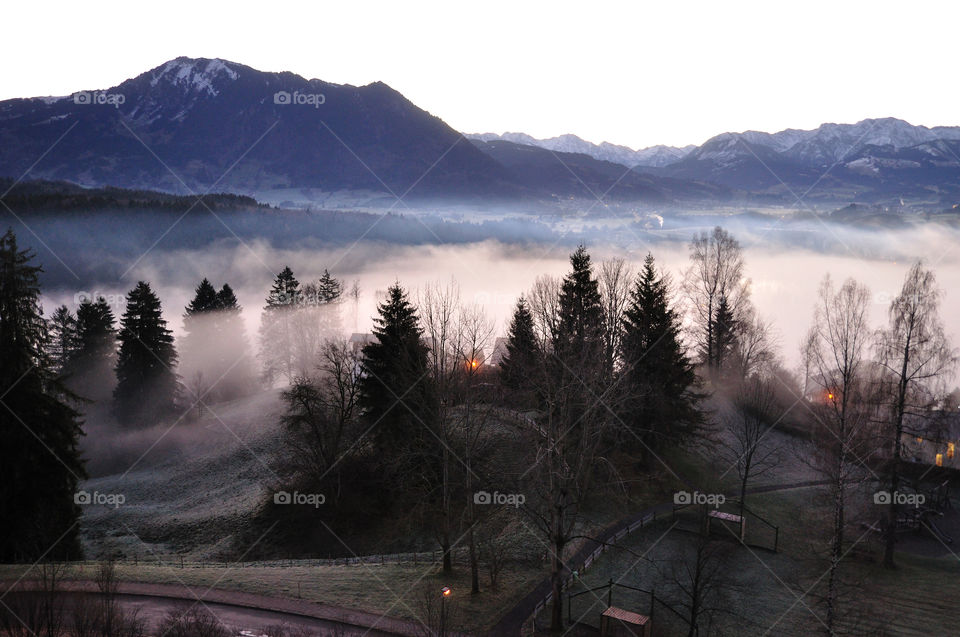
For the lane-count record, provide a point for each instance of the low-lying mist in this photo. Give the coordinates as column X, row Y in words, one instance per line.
column 492, row 262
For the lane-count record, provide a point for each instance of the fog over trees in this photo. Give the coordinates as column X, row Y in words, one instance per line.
column 599, row 379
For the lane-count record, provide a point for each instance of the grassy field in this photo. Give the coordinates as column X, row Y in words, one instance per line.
column 389, row 589
column 766, row 593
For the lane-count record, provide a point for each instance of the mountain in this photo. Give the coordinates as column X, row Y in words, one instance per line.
column 567, row 175
column 654, row 156
column 209, row 125
column 190, row 125
column 875, row 160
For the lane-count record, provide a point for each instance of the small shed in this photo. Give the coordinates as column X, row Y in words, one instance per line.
column 617, row 622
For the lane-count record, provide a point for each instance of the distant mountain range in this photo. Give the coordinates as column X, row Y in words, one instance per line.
column 198, row 125
column 654, row 156
column 875, row 160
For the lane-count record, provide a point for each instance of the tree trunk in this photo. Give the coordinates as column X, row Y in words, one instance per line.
column 556, row 579
column 474, row 566
column 893, row 514
column 471, row 538
column 445, row 540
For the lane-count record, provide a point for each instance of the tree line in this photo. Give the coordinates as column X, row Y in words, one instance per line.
column 600, row 374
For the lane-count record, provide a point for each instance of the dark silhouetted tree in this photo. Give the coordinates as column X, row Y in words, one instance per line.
column 147, row 387
column 396, row 395
column 63, row 338
column 214, row 354
column 662, row 398
column 716, row 272
column 724, row 335
column 91, row 367
column 520, row 361
column 40, row 465
column 917, row 358
column 277, row 333
column 580, row 330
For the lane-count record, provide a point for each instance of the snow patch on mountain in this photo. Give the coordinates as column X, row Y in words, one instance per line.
column 194, row 75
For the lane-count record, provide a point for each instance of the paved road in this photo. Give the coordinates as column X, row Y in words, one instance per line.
column 242, row 620
column 246, row 611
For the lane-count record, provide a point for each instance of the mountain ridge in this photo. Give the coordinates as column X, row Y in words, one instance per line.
column 192, row 125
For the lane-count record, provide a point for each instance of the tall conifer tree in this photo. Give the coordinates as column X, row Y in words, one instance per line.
column 40, row 465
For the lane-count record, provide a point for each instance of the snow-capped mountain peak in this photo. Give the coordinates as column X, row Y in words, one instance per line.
column 193, row 75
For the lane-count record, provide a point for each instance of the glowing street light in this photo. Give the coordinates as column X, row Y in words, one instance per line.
column 444, row 594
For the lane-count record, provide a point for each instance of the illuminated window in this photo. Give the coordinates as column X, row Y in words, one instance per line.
column 939, row 459
column 950, row 449
column 919, row 439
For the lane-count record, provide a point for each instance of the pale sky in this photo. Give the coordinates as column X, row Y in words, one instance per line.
column 633, row 73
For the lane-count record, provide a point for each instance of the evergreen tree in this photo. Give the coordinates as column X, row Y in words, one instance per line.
column 329, row 289
column 214, row 356
column 147, row 386
column 205, row 299
column 659, row 379
column 277, row 330
column 200, row 348
column 63, row 338
column 316, row 320
column 40, row 464
column 227, row 300
column 580, row 332
column 725, row 328
column 91, row 366
column 236, row 367
column 396, row 396
column 519, row 363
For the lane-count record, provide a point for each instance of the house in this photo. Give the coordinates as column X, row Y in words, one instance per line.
column 359, row 340
column 934, row 441
column 499, row 350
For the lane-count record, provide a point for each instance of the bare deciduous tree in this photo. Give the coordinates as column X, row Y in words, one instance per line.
column 715, row 273
column 323, row 410
column 755, row 346
column 438, row 306
column 474, row 335
column 616, row 280
column 747, row 445
column 699, row 576
column 544, row 299
column 835, row 353
column 916, row 358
